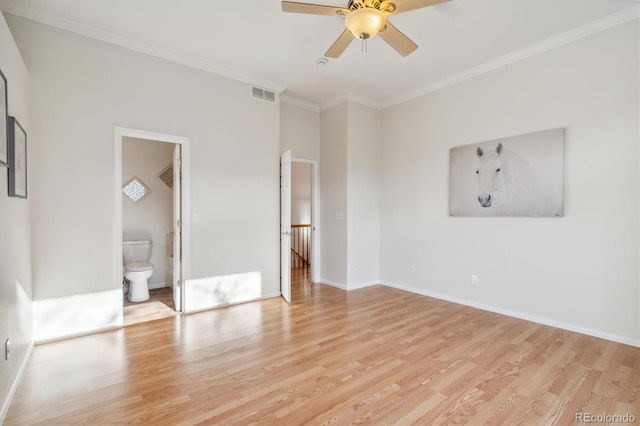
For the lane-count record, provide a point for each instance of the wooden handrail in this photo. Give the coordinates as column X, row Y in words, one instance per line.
column 300, row 245
column 297, row 261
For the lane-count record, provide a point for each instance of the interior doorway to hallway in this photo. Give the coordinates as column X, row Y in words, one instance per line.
column 301, row 191
column 299, row 183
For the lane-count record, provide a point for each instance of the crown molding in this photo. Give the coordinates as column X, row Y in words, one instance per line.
column 364, row 101
column 332, row 103
column 300, row 103
column 349, row 97
column 583, row 31
column 128, row 43
column 586, row 30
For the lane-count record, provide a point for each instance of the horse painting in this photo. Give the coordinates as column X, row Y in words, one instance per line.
column 489, row 174
column 517, row 176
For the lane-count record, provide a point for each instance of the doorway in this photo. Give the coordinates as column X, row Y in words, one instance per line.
column 301, row 190
column 150, row 204
column 299, row 228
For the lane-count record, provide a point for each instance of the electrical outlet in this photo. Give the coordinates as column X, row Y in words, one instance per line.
column 7, row 349
column 412, row 268
column 475, row 280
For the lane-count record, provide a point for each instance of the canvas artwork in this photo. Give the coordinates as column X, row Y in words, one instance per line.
column 515, row 176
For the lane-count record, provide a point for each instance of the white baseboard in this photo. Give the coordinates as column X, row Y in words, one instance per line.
column 270, row 295
column 350, row 286
column 226, row 305
column 363, row 285
column 14, row 386
column 85, row 332
column 332, row 284
column 519, row 315
column 156, row 286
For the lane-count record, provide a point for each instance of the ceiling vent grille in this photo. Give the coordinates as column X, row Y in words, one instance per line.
column 263, row 94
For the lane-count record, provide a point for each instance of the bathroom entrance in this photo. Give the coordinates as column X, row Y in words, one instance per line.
column 151, row 204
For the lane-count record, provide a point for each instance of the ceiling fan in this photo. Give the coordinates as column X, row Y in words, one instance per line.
column 364, row 19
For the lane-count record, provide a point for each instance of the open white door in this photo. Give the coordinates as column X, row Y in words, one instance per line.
column 177, row 227
column 285, row 225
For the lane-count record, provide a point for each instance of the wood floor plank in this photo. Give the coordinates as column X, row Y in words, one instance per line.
column 372, row 356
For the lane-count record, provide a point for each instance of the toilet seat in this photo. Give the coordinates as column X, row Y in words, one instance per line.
column 138, row 267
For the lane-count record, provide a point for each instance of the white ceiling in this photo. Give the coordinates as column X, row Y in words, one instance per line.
column 254, row 41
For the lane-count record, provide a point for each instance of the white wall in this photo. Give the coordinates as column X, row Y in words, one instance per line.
column 579, row 271
column 152, row 217
column 300, row 193
column 364, row 186
column 333, row 195
column 300, row 132
column 350, row 180
column 82, row 89
column 16, row 317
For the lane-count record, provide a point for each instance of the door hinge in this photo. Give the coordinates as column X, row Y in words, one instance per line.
column 179, row 224
column 179, row 162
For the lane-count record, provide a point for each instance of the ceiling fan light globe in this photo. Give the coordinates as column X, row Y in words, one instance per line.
column 365, row 23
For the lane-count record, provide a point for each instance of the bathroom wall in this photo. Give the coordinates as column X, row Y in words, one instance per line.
column 151, row 217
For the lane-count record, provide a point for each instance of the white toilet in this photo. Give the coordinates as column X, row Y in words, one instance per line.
column 137, row 268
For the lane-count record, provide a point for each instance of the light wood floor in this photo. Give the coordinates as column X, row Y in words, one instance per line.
column 375, row 356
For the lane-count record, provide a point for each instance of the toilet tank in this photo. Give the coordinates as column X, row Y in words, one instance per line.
column 136, row 251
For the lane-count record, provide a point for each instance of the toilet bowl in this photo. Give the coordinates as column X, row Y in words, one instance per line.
column 137, row 268
column 138, row 275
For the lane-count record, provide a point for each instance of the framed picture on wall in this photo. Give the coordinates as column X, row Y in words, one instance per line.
column 514, row 176
column 17, row 153
column 4, row 119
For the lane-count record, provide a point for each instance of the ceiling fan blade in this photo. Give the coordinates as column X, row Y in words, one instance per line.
column 400, row 42
column 407, row 5
column 340, row 44
column 313, row 9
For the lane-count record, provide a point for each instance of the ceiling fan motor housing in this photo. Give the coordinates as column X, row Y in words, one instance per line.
column 365, row 23
column 381, row 5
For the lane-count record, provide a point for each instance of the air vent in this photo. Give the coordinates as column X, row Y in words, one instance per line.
column 257, row 92
column 269, row 96
column 263, row 94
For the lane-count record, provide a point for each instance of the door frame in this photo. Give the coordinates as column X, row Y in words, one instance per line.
column 120, row 133
column 285, row 225
column 315, row 216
